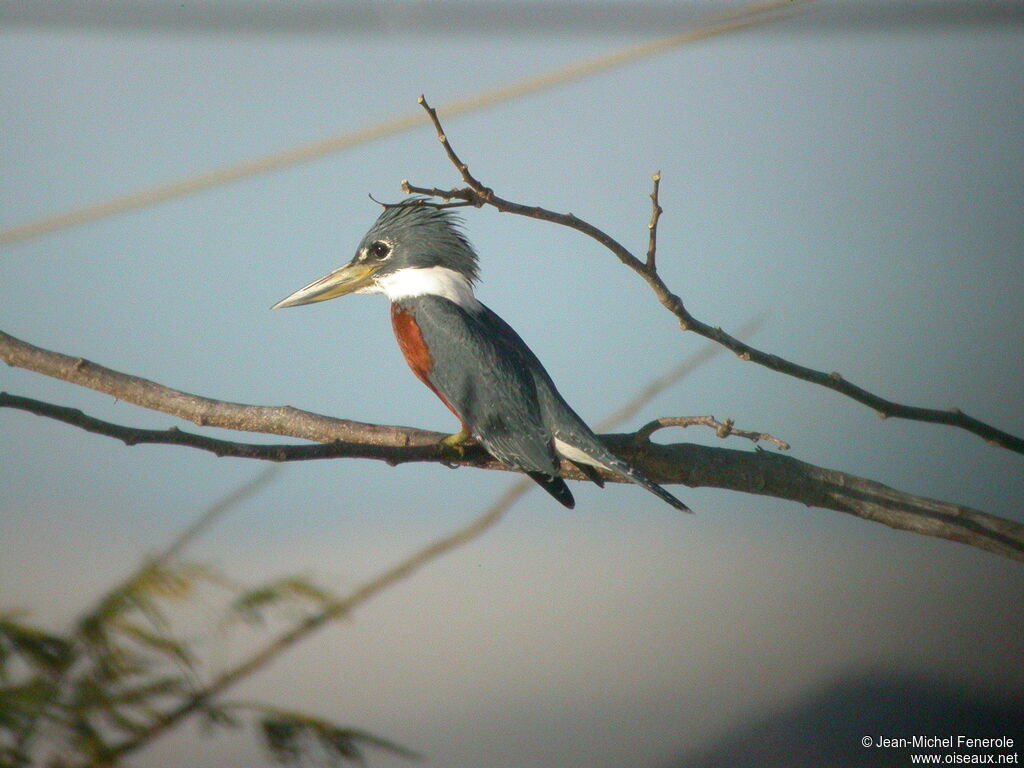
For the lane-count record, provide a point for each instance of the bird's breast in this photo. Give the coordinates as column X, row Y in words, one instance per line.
column 416, row 352
column 410, row 341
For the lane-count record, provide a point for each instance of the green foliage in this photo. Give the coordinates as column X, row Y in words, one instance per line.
column 294, row 738
column 40, row 650
column 298, row 738
column 290, row 593
column 71, row 698
column 114, row 679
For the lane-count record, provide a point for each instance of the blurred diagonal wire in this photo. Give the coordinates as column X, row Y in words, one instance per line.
column 477, row 17
column 656, row 386
column 746, row 16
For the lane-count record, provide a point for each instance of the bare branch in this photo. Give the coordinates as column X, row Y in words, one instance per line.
column 772, row 474
column 692, row 465
column 953, row 417
column 722, row 428
column 281, row 420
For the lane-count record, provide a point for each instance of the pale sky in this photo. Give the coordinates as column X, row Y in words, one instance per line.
column 862, row 188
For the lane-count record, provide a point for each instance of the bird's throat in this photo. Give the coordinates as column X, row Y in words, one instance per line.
column 447, row 283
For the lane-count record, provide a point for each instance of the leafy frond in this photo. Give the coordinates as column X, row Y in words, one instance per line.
column 296, row 738
column 152, row 582
column 289, row 592
column 113, row 679
column 159, row 643
column 19, row 704
column 217, row 716
column 41, row 650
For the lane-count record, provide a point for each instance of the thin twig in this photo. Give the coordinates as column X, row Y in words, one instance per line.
column 462, row 168
column 953, row 417
column 722, row 428
column 652, row 226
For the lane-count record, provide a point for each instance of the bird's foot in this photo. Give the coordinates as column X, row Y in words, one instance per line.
column 455, row 444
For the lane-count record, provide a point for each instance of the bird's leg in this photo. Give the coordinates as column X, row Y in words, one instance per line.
column 455, row 443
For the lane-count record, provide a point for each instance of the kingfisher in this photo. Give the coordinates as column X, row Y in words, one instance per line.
column 418, row 255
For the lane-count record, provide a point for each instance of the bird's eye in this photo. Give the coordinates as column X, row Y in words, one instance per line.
column 380, row 250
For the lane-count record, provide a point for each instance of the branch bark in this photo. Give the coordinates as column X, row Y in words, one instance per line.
column 204, row 411
column 762, row 473
column 476, row 194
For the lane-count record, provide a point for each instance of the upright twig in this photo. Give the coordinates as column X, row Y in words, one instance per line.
column 460, row 166
column 652, row 225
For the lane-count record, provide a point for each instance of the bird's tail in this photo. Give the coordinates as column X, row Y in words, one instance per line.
column 657, row 490
column 592, row 448
column 555, row 486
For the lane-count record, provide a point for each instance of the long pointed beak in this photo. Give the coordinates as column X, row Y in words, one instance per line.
column 348, row 279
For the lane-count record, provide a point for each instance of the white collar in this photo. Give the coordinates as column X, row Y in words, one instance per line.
column 429, row 281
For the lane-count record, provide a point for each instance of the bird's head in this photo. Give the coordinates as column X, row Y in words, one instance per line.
column 412, row 249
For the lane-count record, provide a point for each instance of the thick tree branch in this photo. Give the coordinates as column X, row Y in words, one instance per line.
column 204, row 411
column 771, row 474
column 761, row 473
column 475, row 193
column 422, row 447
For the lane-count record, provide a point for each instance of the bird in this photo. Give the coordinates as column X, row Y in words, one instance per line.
column 418, row 255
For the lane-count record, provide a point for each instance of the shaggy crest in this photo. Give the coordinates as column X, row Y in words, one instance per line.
column 431, row 236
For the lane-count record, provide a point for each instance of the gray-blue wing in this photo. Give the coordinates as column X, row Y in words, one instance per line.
column 487, row 381
column 574, row 439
